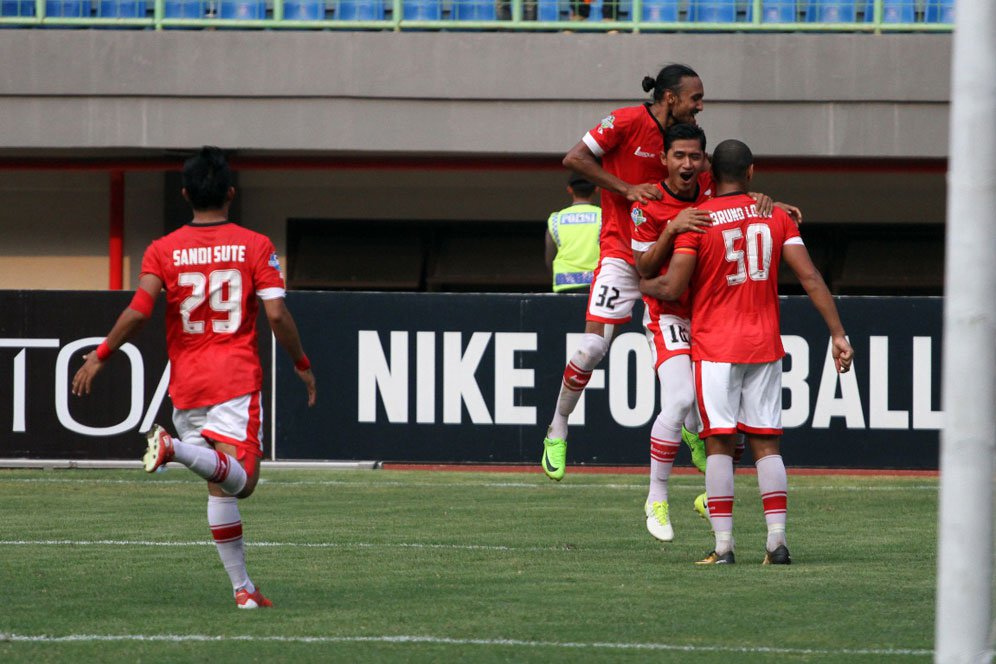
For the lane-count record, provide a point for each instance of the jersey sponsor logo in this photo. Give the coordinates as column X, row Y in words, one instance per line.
column 637, row 216
column 639, row 152
column 226, row 253
column 607, row 123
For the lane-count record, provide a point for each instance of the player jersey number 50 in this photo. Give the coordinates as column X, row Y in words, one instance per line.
column 758, row 253
column 225, row 297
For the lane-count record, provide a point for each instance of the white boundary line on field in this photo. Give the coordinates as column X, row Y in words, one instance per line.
column 298, row 545
column 442, row 640
column 694, row 479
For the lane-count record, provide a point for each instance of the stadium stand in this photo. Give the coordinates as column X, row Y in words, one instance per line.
column 17, row 8
column 186, row 9
column 712, row 11
column 423, row 10
column 894, row 11
column 474, row 10
column 775, row 11
column 940, row 11
column 122, row 8
column 660, row 11
column 832, row 11
column 68, row 8
column 304, row 10
column 549, row 10
column 359, row 10
column 242, row 9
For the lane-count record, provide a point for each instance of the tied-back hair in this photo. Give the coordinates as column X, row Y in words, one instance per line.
column 207, row 178
column 668, row 78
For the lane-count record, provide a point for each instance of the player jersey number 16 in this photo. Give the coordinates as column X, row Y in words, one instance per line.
column 758, row 253
column 219, row 283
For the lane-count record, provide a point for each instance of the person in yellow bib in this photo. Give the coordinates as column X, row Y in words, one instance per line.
column 572, row 238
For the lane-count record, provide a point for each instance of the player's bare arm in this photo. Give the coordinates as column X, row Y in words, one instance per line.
column 675, row 282
column 581, row 159
column 285, row 330
column 689, row 220
column 129, row 322
column 796, row 256
column 549, row 252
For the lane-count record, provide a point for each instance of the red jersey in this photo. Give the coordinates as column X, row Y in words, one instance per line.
column 649, row 221
column 629, row 142
column 735, row 312
column 213, row 274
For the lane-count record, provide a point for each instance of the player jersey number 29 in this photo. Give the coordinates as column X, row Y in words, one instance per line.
column 224, row 288
column 758, row 246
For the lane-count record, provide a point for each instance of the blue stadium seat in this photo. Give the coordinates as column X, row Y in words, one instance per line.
column 17, row 8
column 183, row 9
column 68, row 8
column 474, row 10
column 894, row 11
column 775, row 11
column 549, row 10
column 243, row 10
column 122, row 8
column 423, row 10
column 940, row 11
column 661, row 11
column 832, row 11
column 712, row 11
column 304, row 10
column 360, row 10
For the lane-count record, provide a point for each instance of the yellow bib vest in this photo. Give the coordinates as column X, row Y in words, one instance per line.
column 575, row 230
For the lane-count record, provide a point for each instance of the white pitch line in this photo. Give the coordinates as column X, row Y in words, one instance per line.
column 692, row 480
column 299, row 545
column 442, row 640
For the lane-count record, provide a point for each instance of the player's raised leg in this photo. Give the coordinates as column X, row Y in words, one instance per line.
column 202, row 460
column 614, row 290
column 590, row 351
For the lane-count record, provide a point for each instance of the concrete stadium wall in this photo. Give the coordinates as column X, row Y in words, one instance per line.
column 134, row 93
column 461, row 93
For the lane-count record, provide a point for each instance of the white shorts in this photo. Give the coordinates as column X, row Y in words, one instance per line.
column 668, row 336
column 238, row 422
column 615, row 288
column 739, row 397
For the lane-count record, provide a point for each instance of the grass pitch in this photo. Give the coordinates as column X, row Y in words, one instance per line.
column 368, row 566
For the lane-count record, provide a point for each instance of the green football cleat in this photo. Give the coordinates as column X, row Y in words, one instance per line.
column 554, row 458
column 701, row 505
column 697, row 448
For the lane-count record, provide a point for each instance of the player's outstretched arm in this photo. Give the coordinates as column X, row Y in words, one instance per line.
column 285, row 330
column 796, row 256
column 581, row 159
column 129, row 322
column 673, row 284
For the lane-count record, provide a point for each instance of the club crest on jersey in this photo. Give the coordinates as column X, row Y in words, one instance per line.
column 637, row 216
column 274, row 262
column 607, row 123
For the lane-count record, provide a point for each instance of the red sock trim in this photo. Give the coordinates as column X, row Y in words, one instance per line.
column 220, row 470
column 227, row 532
column 575, row 379
column 775, row 502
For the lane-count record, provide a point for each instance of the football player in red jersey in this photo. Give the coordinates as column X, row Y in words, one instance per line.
column 213, row 272
column 622, row 155
column 732, row 272
column 656, row 224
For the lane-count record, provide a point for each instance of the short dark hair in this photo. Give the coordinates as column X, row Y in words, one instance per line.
column 684, row 131
column 730, row 161
column 207, row 179
column 668, row 78
column 580, row 185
